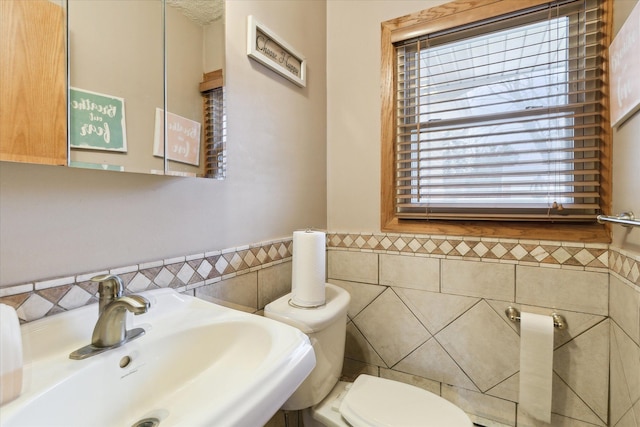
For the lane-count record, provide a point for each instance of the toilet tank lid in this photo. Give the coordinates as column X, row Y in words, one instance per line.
column 310, row 320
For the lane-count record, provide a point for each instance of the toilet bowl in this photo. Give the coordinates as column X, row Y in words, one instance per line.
column 367, row 402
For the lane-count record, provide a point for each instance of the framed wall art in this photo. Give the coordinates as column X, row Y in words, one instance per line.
column 264, row 46
column 97, row 121
column 183, row 138
column 624, row 57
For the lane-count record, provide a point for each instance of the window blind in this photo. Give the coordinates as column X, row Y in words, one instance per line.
column 502, row 119
column 215, row 133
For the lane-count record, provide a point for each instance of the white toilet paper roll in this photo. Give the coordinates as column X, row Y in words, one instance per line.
column 308, row 269
column 536, row 365
column 10, row 354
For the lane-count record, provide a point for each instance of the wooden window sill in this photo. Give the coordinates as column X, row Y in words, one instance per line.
column 569, row 232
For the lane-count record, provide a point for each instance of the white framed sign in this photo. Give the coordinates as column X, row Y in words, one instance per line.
column 183, row 138
column 624, row 58
column 264, row 46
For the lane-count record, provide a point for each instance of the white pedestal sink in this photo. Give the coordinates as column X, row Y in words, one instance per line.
column 198, row 364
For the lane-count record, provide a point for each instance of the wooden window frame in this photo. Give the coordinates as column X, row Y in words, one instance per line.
column 450, row 15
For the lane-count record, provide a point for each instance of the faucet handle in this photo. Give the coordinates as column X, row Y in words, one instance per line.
column 110, row 287
column 110, row 284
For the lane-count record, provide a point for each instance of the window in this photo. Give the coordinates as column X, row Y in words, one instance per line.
column 497, row 122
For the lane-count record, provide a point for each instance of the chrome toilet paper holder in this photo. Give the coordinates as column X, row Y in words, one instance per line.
column 558, row 320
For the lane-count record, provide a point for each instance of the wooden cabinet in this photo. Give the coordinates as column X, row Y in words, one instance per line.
column 33, row 112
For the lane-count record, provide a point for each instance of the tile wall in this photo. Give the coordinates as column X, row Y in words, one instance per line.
column 429, row 310
column 624, row 310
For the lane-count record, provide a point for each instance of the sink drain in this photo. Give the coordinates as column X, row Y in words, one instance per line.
column 147, row 422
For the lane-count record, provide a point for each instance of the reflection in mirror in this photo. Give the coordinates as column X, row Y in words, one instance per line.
column 195, row 114
column 215, row 121
column 116, row 83
column 117, row 79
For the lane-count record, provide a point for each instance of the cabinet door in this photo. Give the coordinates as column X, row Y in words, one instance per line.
column 33, row 120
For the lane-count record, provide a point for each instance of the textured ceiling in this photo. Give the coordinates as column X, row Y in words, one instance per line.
column 201, row 11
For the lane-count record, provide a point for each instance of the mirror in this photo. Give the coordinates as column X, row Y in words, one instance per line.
column 195, row 48
column 117, row 80
column 116, row 77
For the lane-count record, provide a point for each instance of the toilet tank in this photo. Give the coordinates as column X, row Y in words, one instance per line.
column 326, row 328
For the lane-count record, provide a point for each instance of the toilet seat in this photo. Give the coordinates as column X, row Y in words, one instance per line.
column 378, row 402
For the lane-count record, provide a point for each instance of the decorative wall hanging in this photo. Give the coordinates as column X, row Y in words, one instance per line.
column 624, row 57
column 183, row 138
column 264, row 46
column 97, row 121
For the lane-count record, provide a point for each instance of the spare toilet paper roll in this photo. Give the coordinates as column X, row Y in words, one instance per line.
column 308, row 270
column 10, row 354
column 536, row 365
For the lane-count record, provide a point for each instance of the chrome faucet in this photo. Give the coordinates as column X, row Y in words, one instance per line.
column 111, row 328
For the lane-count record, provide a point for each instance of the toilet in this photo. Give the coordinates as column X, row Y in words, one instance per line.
column 367, row 402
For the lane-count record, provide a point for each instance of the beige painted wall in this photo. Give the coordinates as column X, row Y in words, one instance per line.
column 214, row 46
column 353, row 116
column 57, row 221
column 353, row 120
column 185, row 59
column 626, row 158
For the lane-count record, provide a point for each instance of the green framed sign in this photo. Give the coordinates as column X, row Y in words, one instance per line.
column 97, row 121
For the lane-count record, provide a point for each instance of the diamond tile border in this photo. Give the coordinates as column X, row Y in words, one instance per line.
column 43, row 298
column 185, row 273
column 586, row 256
column 625, row 265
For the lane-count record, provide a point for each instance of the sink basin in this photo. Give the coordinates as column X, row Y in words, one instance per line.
column 198, row 364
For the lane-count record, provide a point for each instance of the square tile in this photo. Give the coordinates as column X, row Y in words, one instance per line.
column 630, row 359
column 139, row 283
column 583, row 363
column 575, row 290
column 410, row 272
column 556, row 421
column 478, row 279
column 431, row 361
column 164, row 278
column 433, row 309
column 567, row 403
column 352, row 368
column 273, row 282
column 240, row 291
column 624, row 305
column 391, row 328
column 358, row 348
column 34, row 308
column 483, row 405
column 508, row 389
column 362, row 294
column 76, row 297
column 619, row 398
column 414, row 380
column 484, row 346
column 353, row 266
